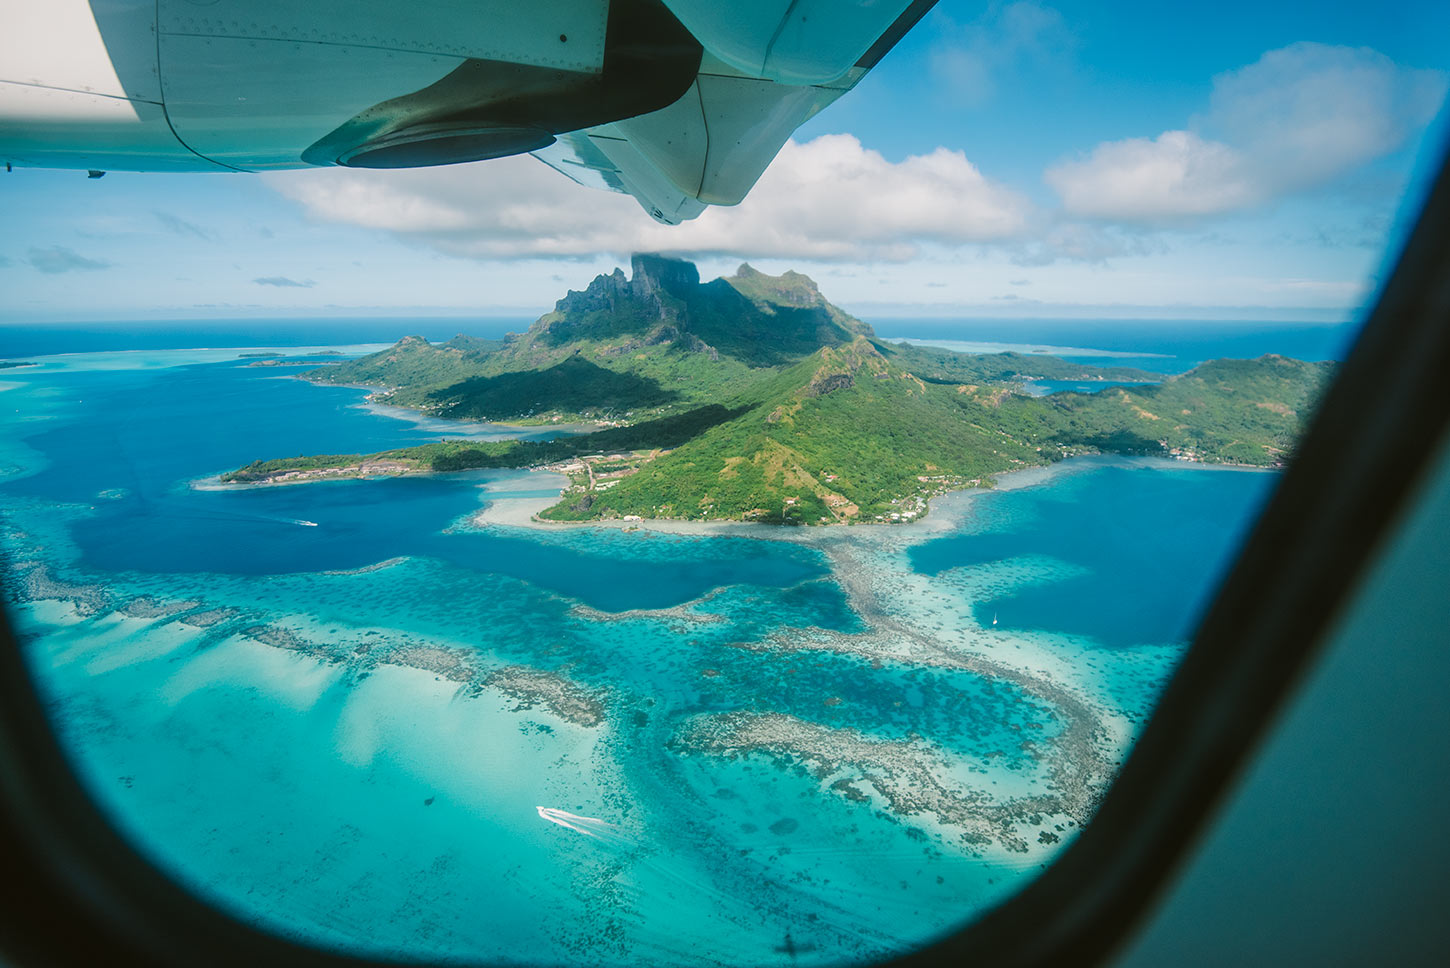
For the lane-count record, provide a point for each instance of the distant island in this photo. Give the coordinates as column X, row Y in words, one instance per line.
column 753, row 398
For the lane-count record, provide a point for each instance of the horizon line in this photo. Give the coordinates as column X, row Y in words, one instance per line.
column 882, row 312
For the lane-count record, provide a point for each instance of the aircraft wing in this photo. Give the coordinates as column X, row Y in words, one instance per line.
column 768, row 67
column 681, row 103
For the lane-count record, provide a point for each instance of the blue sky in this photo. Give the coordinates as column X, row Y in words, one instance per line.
column 1065, row 159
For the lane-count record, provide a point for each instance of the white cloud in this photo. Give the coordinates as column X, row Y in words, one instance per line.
column 1174, row 175
column 1307, row 112
column 827, row 199
column 1298, row 118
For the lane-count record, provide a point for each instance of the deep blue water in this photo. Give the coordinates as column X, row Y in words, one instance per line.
column 1178, row 345
column 147, row 435
column 1149, row 546
column 1187, row 342
column 357, row 523
column 148, row 432
column 18, row 340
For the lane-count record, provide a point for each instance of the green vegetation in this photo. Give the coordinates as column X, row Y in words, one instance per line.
column 282, row 467
column 753, row 398
column 1225, row 411
column 936, row 365
column 573, row 386
column 413, row 362
column 854, row 438
column 459, row 455
column 677, row 344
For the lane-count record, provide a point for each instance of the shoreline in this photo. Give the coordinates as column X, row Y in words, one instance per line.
column 420, row 420
column 944, row 510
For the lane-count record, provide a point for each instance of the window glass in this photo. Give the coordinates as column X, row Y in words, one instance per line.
column 836, row 632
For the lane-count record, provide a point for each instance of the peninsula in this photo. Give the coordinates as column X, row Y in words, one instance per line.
column 751, row 397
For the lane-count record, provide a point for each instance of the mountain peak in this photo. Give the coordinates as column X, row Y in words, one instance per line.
column 790, row 288
column 759, row 319
column 650, row 272
column 650, row 275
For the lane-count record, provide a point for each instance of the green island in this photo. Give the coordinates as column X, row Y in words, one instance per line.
column 753, row 398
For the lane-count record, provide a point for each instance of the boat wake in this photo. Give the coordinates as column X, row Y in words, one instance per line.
column 593, row 827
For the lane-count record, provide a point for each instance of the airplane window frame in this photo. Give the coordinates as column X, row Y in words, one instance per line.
column 82, row 894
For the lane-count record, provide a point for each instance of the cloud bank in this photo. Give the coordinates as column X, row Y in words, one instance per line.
column 1296, row 119
column 828, row 199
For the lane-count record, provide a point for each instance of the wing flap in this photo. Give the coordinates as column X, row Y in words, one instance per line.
column 770, row 66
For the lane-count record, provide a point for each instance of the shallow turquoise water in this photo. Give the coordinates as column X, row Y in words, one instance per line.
column 348, row 724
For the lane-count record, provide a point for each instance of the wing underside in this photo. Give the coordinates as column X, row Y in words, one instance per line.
column 680, row 103
column 768, row 67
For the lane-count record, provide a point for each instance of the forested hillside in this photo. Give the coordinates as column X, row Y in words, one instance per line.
column 752, row 397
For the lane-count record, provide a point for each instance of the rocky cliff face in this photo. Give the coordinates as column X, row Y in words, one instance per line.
column 603, row 295
column 755, row 317
column 654, row 273
column 653, row 277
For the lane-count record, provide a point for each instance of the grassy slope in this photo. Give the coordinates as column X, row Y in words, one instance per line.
column 841, row 436
column 1236, row 411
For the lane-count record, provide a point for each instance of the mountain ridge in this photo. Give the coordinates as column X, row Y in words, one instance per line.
column 752, row 397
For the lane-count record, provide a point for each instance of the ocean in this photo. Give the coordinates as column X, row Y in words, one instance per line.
column 1134, row 342
column 355, row 714
column 1157, row 345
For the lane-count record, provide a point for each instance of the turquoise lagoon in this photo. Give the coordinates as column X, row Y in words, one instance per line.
column 350, row 713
